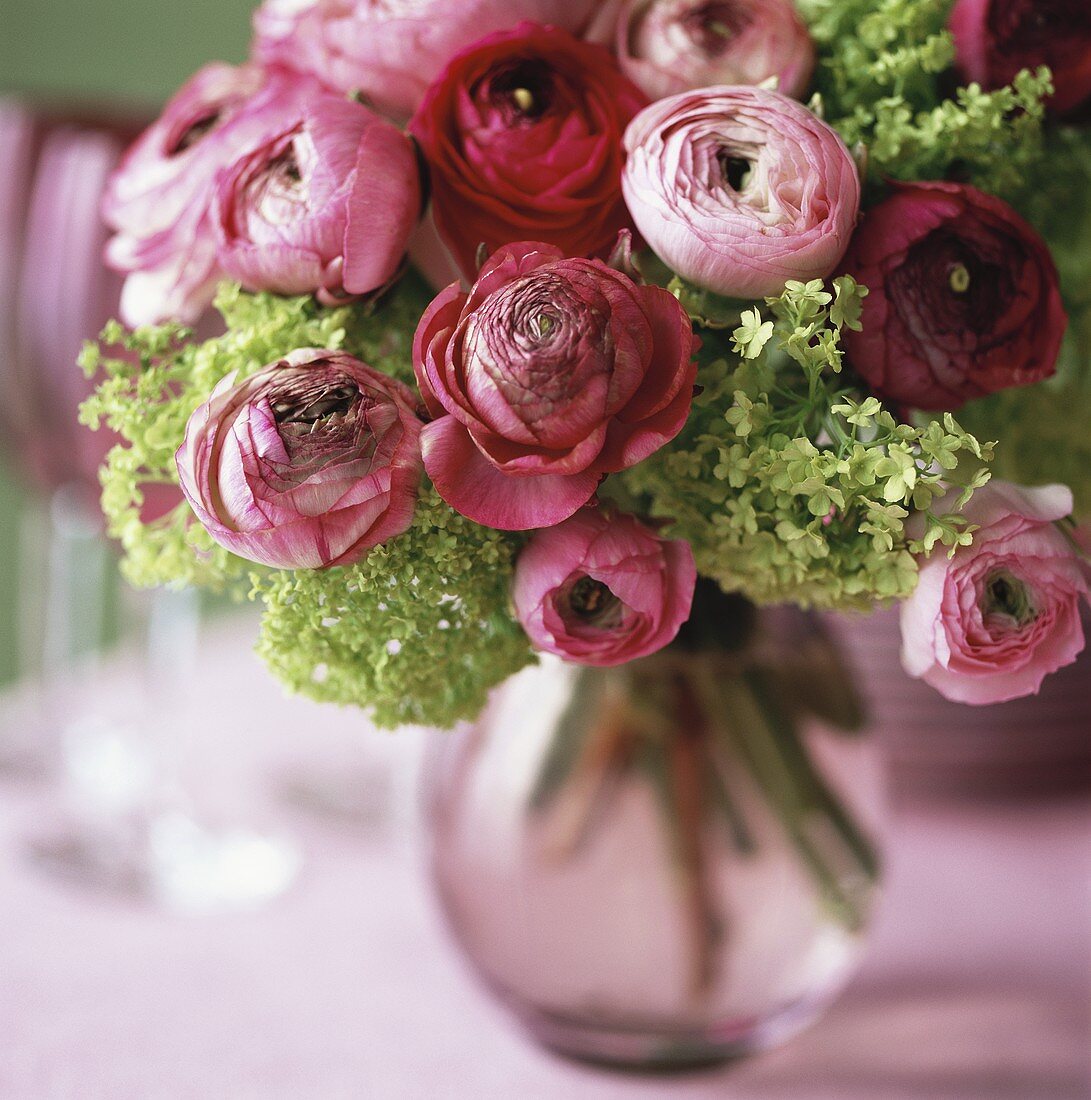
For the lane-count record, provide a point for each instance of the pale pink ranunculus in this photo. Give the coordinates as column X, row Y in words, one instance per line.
column 308, row 463
column 739, row 189
column 548, row 374
column 391, row 50
column 603, row 589
column 159, row 199
column 672, row 46
column 325, row 203
column 990, row 623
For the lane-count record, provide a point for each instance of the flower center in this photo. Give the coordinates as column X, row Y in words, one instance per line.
column 313, row 407
column 1007, row 596
column 712, row 26
column 594, row 603
column 278, row 189
column 522, row 90
column 959, row 278
column 736, row 169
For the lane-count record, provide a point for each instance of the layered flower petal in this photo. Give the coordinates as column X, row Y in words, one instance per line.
column 546, row 375
column 740, row 189
column 391, row 50
column 996, row 39
column 324, row 204
column 672, row 46
column 990, row 623
column 308, row 463
column 159, row 200
column 602, row 589
column 964, row 298
column 522, row 135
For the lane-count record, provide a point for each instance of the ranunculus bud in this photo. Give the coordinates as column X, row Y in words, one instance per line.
column 602, row 589
column 157, row 199
column 390, row 51
column 550, row 373
column 990, row 623
column 996, row 39
column 740, row 189
column 522, row 133
column 160, row 198
column 963, row 297
column 324, row 204
column 308, row 463
column 672, row 46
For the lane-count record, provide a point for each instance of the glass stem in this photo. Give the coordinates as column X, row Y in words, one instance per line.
column 749, row 732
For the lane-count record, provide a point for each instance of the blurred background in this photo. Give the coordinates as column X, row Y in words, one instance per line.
column 115, row 57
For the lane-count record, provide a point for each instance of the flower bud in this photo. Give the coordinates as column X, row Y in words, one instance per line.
column 602, row 589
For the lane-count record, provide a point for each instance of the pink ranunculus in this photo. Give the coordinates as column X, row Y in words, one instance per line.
column 159, row 200
column 548, row 374
column 325, row 203
column 990, row 623
column 603, row 589
column 740, row 189
column 308, row 463
column 672, row 46
column 391, row 50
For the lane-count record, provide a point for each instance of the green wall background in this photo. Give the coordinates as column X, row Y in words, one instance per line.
column 133, row 52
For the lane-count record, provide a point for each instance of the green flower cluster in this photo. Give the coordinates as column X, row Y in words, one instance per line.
column 789, row 483
column 879, row 84
column 418, row 631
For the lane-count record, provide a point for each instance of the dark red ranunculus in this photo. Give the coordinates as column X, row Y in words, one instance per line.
column 522, row 132
column 964, row 298
column 996, row 39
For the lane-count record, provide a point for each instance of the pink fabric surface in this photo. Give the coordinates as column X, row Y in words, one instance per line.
column 976, row 985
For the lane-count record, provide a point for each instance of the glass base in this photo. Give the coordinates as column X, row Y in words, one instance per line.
column 668, row 1049
column 174, row 862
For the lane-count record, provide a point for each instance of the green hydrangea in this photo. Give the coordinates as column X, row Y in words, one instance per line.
column 417, row 632
column 879, row 83
column 791, row 484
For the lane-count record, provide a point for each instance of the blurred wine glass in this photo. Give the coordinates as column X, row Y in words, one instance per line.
column 131, row 825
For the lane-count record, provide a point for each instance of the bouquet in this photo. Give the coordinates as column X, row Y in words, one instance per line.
column 534, row 313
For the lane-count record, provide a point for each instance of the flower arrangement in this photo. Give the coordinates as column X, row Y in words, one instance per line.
column 720, row 277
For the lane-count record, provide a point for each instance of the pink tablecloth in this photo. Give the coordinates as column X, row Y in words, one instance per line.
column 976, row 986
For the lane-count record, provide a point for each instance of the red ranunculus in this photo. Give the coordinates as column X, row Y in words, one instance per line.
column 964, row 298
column 996, row 39
column 522, row 132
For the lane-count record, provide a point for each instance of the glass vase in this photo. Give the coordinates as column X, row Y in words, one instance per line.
column 668, row 863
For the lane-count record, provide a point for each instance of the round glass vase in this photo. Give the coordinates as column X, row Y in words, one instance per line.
column 672, row 862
